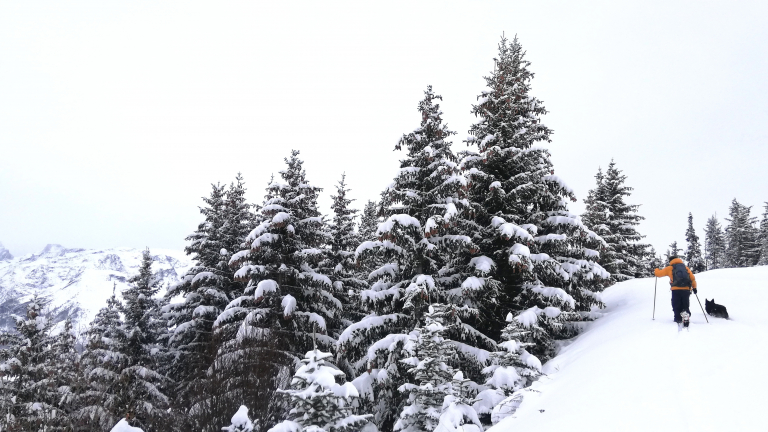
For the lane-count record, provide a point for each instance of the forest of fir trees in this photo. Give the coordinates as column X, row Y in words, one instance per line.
column 431, row 309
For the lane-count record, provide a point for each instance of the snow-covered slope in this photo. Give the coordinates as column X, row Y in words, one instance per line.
column 629, row 373
column 77, row 281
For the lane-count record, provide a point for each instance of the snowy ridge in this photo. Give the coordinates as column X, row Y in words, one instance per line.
column 78, row 281
column 627, row 372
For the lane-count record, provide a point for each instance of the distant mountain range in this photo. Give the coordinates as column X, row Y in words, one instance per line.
column 77, row 282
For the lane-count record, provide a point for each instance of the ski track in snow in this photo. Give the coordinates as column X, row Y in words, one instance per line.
column 627, row 372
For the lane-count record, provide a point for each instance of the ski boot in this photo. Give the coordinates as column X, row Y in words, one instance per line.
column 686, row 319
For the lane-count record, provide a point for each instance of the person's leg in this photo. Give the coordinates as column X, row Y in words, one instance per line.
column 687, row 301
column 676, row 305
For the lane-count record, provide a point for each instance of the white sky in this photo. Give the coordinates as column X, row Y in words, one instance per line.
column 115, row 117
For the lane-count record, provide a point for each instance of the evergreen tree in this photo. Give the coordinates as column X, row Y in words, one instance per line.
column 369, row 222
column 340, row 263
column 435, row 379
column 741, row 248
column 544, row 255
column 66, row 373
column 714, row 244
column 763, row 238
column 653, row 261
column 29, row 394
column 512, row 369
column 425, row 254
column 693, row 254
column 341, row 259
column 98, row 400
column 615, row 221
column 458, row 415
column 673, row 250
column 597, row 213
column 142, row 389
column 207, row 288
column 271, row 322
column 318, row 403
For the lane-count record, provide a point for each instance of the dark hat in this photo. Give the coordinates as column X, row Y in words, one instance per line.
column 671, row 257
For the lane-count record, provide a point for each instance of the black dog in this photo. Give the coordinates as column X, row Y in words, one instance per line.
column 715, row 310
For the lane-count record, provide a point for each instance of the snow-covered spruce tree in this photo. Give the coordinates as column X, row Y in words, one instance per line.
column 653, row 261
column 369, row 222
column 343, row 242
column 615, row 221
column 714, row 244
column 435, row 381
column 207, row 288
column 693, row 253
column 271, row 322
column 142, row 389
column 741, row 247
column 512, row 368
column 544, row 255
column 29, row 395
column 98, row 399
column 763, row 238
column 318, row 403
column 596, row 213
column 66, row 371
column 239, row 218
column 673, row 250
column 340, row 264
column 426, row 255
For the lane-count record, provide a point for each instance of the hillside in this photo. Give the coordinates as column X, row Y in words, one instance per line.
column 627, row 372
column 77, row 281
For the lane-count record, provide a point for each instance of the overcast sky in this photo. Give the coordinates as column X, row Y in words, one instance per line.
column 115, row 117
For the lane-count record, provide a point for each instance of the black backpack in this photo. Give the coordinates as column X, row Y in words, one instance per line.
column 680, row 277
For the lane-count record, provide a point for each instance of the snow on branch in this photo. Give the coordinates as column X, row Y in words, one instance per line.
column 557, row 180
column 398, row 219
column 289, row 305
column 510, row 230
column 552, row 292
column 358, row 331
column 389, row 269
column 482, row 264
column 264, row 287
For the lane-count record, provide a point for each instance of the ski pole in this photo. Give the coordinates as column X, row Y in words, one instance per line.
column 654, row 298
column 702, row 309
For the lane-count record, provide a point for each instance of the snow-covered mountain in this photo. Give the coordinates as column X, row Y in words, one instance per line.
column 5, row 254
column 627, row 372
column 77, row 281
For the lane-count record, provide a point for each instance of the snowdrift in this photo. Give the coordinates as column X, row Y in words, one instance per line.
column 627, row 372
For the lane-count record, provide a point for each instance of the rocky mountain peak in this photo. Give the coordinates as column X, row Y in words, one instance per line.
column 5, row 254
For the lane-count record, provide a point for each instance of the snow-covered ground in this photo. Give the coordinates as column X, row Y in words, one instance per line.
column 78, row 281
column 627, row 372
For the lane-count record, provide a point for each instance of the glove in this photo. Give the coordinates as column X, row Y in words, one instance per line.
column 695, row 291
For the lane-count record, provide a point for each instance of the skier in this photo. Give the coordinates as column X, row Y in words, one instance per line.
column 682, row 282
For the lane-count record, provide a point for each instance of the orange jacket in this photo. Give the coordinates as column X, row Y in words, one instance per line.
column 667, row 271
